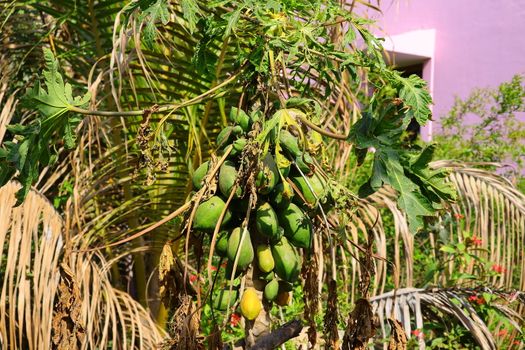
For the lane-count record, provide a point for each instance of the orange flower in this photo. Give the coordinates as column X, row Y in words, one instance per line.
column 459, row 216
column 476, row 240
column 193, row 278
column 418, row 333
column 502, row 333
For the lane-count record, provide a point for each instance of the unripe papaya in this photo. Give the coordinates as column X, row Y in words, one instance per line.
column 224, row 299
column 227, row 135
column 304, row 162
column 245, row 251
column 208, row 213
column 251, row 306
column 199, row 174
column 227, row 177
column 266, row 221
column 238, row 146
column 297, row 226
column 289, row 143
column 318, row 185
column 221, row 247
column 287, row 260
column 265, row 258
column 268, row 176
column 281, row 195
column 238, row 116
column 271, row 290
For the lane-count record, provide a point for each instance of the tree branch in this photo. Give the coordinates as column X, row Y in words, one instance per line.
column 279, row 336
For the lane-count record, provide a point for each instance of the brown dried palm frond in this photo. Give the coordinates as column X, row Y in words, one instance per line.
column 44, row 289
column 415, row 306
column 492, row 209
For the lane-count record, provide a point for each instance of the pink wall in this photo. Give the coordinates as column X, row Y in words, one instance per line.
column 478, row 43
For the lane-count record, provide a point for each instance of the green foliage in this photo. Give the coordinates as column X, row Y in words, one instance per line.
column 34, row 144
column 496, row 135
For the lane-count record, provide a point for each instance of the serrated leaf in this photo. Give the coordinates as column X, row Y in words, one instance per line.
column 416, row 97
column 190, row 11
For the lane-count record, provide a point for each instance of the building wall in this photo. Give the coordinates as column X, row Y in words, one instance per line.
column 478, row 43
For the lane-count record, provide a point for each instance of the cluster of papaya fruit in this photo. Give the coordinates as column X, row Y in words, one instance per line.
column 287, row 187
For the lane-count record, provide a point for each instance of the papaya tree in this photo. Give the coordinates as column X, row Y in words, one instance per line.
column 225, row 137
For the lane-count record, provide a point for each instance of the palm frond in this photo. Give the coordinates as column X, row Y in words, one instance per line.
column 32, row 248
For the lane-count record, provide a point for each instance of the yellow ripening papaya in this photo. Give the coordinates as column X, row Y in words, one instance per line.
column 251, row 305
column 208, row 213
column 265, row 258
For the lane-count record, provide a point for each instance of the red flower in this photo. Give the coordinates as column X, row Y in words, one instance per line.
column 480, row 301
column 498, row 268
column 193, row 278
column 213, row 268
column 502, row 333
column 476, row 240
column 235, row 319
column 418, row 333
column 473, row 298
column 516, row 342
column 459, row 216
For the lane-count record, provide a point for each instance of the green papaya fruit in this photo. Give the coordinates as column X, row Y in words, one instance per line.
column 315, row 183
column 208, row 213
column 225, row 137
column 199, row 174
column 266, row 221
column 227, row 177
column 289, row 143
column 245, row 251
column 263, row 276
column 281, row 195
column 225, row 298
column 221, row 247
column 238, row 116
column 265, row 258
column 287, row 260
column 297, row 226
column 304, row 161
column 271, row 290
column 268, row 176
column 238, row 146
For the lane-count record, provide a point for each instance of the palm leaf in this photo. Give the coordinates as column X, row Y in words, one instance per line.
column 32, row 245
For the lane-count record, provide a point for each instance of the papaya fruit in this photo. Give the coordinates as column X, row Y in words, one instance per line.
column 304, row 162
column 263, row 276
column 199, row 174
column 297, row 226
column 227, row 135
column 238, row 146
column 289, row 143
column 287, row 260
column 317, row 184
column 271, row 290
column 266, row 221
column 208, row 213
column 283, row 298
column 265, row 258
column 245, row 251
column 239, row 117
column 225, row 298
column 250, row 304
column 268, row 176
column 282, row 195
column 221, row 247
column 227, row 177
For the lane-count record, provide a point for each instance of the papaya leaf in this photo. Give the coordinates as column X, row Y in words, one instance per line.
column 413, row 91
column 31, row 148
